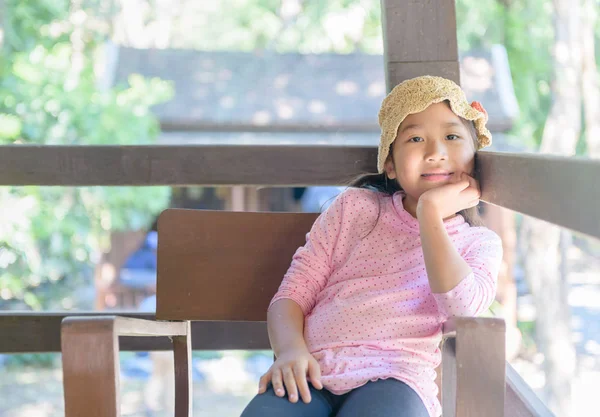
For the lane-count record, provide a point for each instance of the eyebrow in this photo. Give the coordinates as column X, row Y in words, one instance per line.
column 417, row 126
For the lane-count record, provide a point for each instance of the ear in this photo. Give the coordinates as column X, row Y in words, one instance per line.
column 390, row 169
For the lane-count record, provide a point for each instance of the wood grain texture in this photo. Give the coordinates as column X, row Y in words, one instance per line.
column 419, row 31
column 90, row 362
column 480, row 367
column 401, row 71
column 448, row 386
column 182, row 355
column 419, row 38
column 555, row 189
column 215, row 265
column 26, row 332
column 90, row 354
column 275, row 165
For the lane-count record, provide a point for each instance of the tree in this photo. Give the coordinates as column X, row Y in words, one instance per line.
column 543, row 260
column 49, row 95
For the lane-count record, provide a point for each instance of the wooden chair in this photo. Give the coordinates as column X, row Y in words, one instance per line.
column 225, row 267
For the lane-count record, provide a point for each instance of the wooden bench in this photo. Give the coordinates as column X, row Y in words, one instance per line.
column 225, row 267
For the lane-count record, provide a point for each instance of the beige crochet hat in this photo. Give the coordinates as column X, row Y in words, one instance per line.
column 415, row 95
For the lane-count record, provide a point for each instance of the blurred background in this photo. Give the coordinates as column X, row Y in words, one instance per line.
column 127, row 72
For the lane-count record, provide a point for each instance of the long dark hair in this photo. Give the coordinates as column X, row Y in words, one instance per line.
column 383, row 184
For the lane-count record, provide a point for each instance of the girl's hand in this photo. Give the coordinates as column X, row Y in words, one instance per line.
column 449, row 199
column 292, row 369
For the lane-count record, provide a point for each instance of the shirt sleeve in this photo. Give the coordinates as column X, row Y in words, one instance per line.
column 312, row 263
column 476, row 292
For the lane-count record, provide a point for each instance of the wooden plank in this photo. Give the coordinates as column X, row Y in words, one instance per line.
column 473, row 362
column 24, row 332
column 199, row 125
column 398, row 72
column 182, row 356
column 91, row 368
column 558, row 190
column 183, row 165
column 521, row 401
column 448, row 387
column 480, row 367
column 197, row 278
column 419, row 31
column 419, row 38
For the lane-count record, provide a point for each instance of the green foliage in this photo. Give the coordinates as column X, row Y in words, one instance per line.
column 36, row 360
column 49, row 94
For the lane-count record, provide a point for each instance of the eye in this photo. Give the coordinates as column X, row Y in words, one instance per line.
column 452, row 137
column 416, row 139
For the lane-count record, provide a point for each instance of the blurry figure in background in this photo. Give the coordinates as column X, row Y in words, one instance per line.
column 139, row 270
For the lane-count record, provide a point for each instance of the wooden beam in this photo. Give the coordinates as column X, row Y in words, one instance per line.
column 183, row 165
column 24, row 332
column 419, row 38
column 558, row 190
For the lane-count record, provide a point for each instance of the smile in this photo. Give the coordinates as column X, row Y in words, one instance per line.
column 438, row 176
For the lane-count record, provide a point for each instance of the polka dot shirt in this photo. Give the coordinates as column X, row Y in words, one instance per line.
column 361, row 282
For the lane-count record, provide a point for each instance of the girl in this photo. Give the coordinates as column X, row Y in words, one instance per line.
column 356, row 323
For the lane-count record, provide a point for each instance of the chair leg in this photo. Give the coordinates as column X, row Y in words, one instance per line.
column 182, row 351
column 90, row 357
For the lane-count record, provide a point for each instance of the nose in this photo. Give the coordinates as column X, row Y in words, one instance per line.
column 436, row 151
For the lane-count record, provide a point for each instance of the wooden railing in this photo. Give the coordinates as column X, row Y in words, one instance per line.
column 556, row 189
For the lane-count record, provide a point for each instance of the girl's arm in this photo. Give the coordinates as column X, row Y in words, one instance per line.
column 285, row 322
column 294, row 363
column 461, row 285
column 445, row 267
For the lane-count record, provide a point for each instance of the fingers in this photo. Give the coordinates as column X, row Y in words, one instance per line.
column 263, row 381
column 300, row 373
column 277, row 382
column 290, row 384
column 292, row 377
column 472, row 182
column 314, row 373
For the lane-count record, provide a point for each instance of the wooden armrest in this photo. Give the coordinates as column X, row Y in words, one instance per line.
column 127, row 326
column 473, row 367
column 90, row 354
column 454, row 323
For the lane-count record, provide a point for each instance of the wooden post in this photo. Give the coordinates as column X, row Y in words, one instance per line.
column 419, row 38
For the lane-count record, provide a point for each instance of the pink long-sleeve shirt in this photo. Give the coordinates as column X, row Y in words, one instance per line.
column 361, row 282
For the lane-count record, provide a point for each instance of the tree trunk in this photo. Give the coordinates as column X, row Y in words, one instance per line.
column 542, row 256
column 590, row 82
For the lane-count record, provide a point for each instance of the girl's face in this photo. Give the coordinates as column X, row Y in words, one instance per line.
column 432, row 148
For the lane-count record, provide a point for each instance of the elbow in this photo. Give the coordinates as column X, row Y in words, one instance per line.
column 471, row 298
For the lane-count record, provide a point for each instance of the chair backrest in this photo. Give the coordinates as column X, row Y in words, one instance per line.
column 218, row 265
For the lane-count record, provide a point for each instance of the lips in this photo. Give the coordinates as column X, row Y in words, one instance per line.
column 437, row 176
column 435, row 173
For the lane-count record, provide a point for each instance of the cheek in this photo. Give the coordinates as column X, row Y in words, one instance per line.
column 465, row 158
